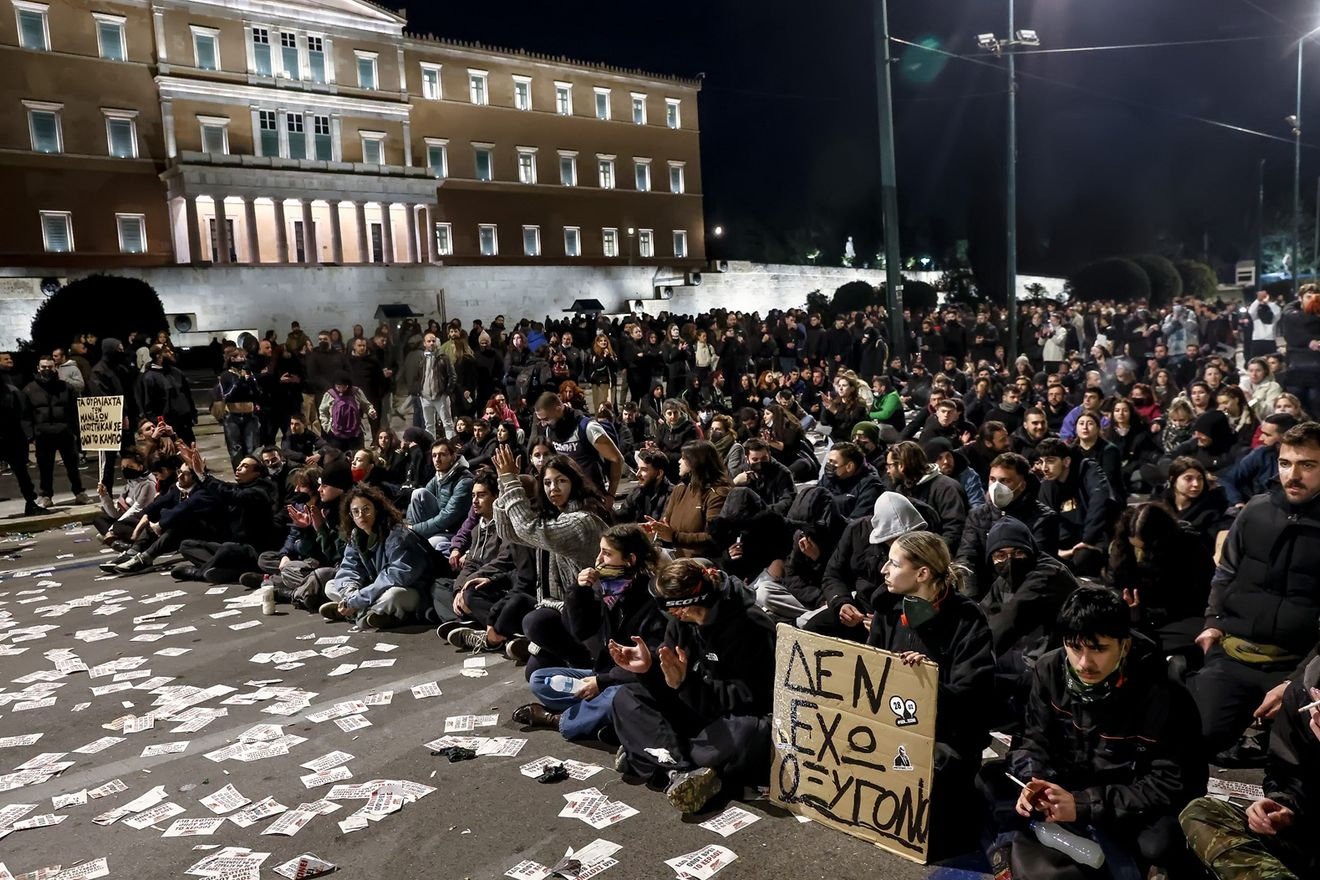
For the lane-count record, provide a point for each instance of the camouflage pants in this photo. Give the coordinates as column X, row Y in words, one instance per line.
column 1217, row 833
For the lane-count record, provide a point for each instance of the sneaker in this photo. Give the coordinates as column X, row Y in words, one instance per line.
column 377, row 620
column 44, row 501
column 32, row 508
column 622, row 766
column 330, row 611
column 689, row 791
column 469, row 638
column 122, row 546
column 185, row 571
column 518, row 649
column 609, row 736
column 83, row 498
column 443, row 630
column 251, row 579
column 110, row 567
column 138, row 562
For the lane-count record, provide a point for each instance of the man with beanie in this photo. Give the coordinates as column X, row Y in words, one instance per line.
column 866, row 437
column 114, row 376
column 1012, row 491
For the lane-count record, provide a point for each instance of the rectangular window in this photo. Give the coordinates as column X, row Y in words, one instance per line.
column 377, row 241
column 206, row 48
column 642, row 174
column 44, row 127
column 677, row 182
column 639, row 108
column 485, row 163
column 602, row 103
column 437, row 159
column 261, row 58
column 316, row 58
column 522, row 93
column 110, row 36
column 431, row 81
column 293, row 123
column 568, row 170
column 299, row 242
column 366, row 65
column 572, row 241
column 531, row 241
column 215, row 138
column 444, row 240
column 672, row 117
column 268, row 133
column 121, row 133
column 373, row 148
column 564, row 99
column 57, row 231
column 605, row 170
column 645, row 243
column 478, row 92
column 324, row 143
column 33, row 29
column 132, row 233
column 488, row 240
column 526, row 166
column 680, row 243
column 289, row 55
column 609, row 239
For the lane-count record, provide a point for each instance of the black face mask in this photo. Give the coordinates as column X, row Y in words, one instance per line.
column 132, row 473
column 1015, row 570
column 46, row 375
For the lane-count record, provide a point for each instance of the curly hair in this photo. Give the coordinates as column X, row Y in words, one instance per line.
column 387, row 515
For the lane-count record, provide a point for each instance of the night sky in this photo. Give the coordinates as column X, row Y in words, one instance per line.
column 789, row 131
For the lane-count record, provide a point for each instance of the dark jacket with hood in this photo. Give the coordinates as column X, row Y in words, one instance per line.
column 1128, row 758
column 642, row 502
column 1025, row 508
column 773, row 483
column 635, row 614
column 856, row 495
column 764, row 534
column 1220, row 454
column 1083, row 502
column 852, row 574
column 1023, row 605
column 1292, row 768
column 1172, row 580
column 947, row 499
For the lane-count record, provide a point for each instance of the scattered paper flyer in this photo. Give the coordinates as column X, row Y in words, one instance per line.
column 304, row 866
column 460, row 723
column 430, row 689
column 150, row 817
column 702, row 864
column 732, row 819
column 290, row 823
column 194, row 827
column 75, row 799
column 352, row 722
column 257, row 812
column 325, row 762
column 86, row 871
column 170, row 748
column 379, row 698
column 325, row 777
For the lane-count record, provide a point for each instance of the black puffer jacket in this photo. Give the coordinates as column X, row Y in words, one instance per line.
column 53, row 407
column 947, row 499
column 1027, row 509
column 1128, row 758
column 763, row 534
column 852, row 575
column 1292, row 770
column 1022, row 614
column 1299, row 329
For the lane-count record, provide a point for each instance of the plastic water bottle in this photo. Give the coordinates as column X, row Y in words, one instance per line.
column 563, row 684
column 1082, row 850
column 268, row 599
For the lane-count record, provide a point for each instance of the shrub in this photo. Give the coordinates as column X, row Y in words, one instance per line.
column 107, row 305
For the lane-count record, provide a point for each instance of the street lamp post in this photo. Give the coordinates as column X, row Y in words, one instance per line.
column 1297, row 173
column 888, row 180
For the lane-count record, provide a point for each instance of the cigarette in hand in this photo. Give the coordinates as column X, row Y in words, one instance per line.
column 1309, row 706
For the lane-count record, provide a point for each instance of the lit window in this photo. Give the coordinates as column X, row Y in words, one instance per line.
column 366, row 64
column 261, row 58
column 564, row 99
column 677, row 178
column 289, row 55
column 605, row 170
column 206, row 48
column 485, row 161
column 110, row 36
column 488, row 239
column 373, row 147
column 478, row 91
column 33, row 28
column 673, row 119
column 568, row 169
column 602, row 103
column 642, row 174
column 322, row 138
column 268, row 129
column 526, row 165
column 522, row 93
column 572, row 241
column 57, row 231
column 132, row 233
column 44, row 126
column 531, row 241
column 431, row 82
column 121, row 133
column 437, row 157
column 293, row 124
column 639, row 108
column 680, row 243
column 645, row 243
column 444, row 240
column 316, row 58
column 610, row 242
column 215, row 135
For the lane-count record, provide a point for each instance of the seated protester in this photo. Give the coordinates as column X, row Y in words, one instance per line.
column 390, row 453
column 766, row 476
column 437, row 509
column 481, row 447
column 684, row 527
column 844, row 408
column 910, row 473
column 947, row 422
column 301, row 444
column 585, row 440
column 280, row 471
column 1162, row 568
column 1260, row 387
column 1091, row 446
column 1265, row 596
column 462, row 433
column 921, row 615
column 753, row 538
column 1008, row 411
column 562, row 520
column 953, row 464
column 1175, row 428
column 237, row 522
column 1194, row 500
column 1056, row 406
column 417, row 467
column 818, row 528
column 702, row 722
column 1110, row 747
column 788, row 442
column 724, row 435
column 635, row 428
column 886, row 410
column 1128, row 432
column 1256, row 471
column 674, row 432
column 926, row 414
column 367, row 470
column 1035, row 428
column 991, row 440
column 851, row 482
column 1076, row 489
column 1275, row 835
column 1212, row 443
column 852, row 575
column 1092, row 399
column 1241, row 417
column 866, row 437
column 1013, row 492
column 119, row 516
column 1022, row 607
column 311, row 554
column 153, row 536
column 651, row 494
column 610, row 603
column 386, row 571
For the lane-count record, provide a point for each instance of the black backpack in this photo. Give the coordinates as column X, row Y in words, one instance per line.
column 1264, row 313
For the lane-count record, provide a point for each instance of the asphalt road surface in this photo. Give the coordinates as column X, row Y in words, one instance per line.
column 482, row 818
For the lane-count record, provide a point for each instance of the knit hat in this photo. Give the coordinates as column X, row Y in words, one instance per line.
column 1010, row 532
column 870, row 429
column 110, row 345
column 338, row 474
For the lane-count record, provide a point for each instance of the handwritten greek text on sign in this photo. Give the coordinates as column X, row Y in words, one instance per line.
column 854, row 736
column 101, row 423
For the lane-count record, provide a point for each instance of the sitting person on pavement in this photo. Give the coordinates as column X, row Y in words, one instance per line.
column 910, row 473
column 1076, row 489
column 1013, row 491
column 437, row 509
column 118, row 516
column 766, row 476
column 651, row 494
column 852, row 483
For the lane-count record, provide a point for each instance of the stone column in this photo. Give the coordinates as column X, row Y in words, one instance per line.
column 413, row 250
column 221, row 230
column 281, row 232
column 253, row 239
column 194, row 230
column 336, row 234
column 364, row 249
column 310, row 252
column 387, row 231
column 427, row 237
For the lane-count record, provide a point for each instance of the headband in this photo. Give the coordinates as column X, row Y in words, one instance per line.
column 703, row 594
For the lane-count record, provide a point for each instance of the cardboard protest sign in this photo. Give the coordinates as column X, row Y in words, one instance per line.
column 101, row 423
column 854, row 735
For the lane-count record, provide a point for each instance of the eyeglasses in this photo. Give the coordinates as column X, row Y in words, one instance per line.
column 358, row 512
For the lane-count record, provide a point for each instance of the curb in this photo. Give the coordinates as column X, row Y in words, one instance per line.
column 81, row 515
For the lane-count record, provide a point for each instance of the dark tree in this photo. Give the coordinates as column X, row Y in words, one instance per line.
column 1165, row 282
column 853, row 297
column 1113, row 278
column 107, row 305
column 1198, row 279
column 918, row 295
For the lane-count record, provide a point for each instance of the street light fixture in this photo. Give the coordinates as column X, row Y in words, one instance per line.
column 718, row 231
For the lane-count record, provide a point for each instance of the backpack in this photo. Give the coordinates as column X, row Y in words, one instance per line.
column 1265, row 314
column 813, row 512
column 345, row 415
column 609, row 427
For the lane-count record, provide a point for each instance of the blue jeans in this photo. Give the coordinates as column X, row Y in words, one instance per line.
column 579, row 719
column 242, row 435
column 423, row 506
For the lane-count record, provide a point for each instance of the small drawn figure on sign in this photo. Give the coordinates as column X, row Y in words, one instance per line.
column 901, row 760
column 904, row 711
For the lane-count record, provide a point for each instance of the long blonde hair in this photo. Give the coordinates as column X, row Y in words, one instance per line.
column 929, row 550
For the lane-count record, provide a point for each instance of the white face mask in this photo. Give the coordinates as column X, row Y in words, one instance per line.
column 1000, row 495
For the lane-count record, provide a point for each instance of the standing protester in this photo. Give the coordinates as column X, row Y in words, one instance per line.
column 239, row 391
column 1300, row 328
column 114, row 376
column 54, row 409
column 346, row 415
column 16, row 434
column 428, row 376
